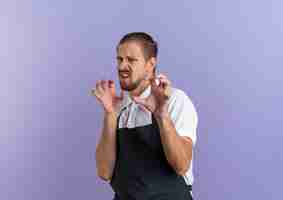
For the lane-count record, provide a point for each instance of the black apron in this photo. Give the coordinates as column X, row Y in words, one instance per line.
column 141, row 170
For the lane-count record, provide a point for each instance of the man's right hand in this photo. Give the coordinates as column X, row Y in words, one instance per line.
column 106, row 95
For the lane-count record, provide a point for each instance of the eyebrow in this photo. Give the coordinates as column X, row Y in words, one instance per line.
column 128, row 57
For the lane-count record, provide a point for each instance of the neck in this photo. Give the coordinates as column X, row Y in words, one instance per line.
column 140, row 89
column 142, row 86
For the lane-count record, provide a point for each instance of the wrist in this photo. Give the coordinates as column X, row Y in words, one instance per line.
column 161, row 114
column 162, row 120
column 111, row 113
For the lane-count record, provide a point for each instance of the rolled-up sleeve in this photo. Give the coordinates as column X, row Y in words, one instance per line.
column 183, row 114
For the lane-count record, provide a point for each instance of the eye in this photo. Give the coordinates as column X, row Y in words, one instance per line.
column 131, row 60
column 119, row 59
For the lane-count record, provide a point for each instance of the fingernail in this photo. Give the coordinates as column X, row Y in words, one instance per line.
column 157, row 81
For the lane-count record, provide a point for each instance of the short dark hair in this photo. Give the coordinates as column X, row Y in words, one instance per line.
column 150, row 47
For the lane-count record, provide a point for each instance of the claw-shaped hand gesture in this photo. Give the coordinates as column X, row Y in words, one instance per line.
column 156, row 102
column 106, row 95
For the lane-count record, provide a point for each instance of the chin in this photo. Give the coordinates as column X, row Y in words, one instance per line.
column 128, row 87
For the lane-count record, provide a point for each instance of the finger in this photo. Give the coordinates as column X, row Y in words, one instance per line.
column 104, row 84
column 164, row 82
column 167, row 92
column 142, row 102
column 164, row 78
column 95, row 93
column 161, row 76
column 143, row 108
column 165, row 87
column 111, row 86
column 99, row 86
column 111, row 83
column 154, row 83
column 92, row 91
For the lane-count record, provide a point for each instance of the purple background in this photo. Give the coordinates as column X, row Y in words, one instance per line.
column 227, row 55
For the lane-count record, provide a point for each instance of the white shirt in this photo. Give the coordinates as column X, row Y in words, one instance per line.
column 182, row 112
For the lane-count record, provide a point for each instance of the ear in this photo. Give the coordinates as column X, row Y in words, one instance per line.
column 151, row 64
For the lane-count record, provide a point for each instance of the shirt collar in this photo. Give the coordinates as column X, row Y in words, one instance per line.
column 127, row 100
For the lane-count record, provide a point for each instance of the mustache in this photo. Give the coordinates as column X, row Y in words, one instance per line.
column 124, row 71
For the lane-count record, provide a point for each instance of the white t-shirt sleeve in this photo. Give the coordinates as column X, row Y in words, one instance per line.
column 183, row 114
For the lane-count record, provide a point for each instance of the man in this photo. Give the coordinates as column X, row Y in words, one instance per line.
column 146, row 146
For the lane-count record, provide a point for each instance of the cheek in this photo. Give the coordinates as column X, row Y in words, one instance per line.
column 137, row 75
column 138, row 71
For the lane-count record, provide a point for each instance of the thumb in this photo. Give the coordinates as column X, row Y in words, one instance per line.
column 143, row 102
column 140, row 101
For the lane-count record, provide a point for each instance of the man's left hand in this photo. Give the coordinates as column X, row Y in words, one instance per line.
column 157, row 101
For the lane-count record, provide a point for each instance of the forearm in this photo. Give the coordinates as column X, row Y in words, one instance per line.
column 174, row 145
column 106, row 148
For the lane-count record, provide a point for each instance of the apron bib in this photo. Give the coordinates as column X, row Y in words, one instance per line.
column 141, row 170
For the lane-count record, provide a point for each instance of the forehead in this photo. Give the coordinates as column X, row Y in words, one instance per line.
column 130, row 48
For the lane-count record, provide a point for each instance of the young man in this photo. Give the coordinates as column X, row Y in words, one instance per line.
column 146, row 145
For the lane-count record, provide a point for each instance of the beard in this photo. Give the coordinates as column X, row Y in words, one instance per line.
column 130, row 86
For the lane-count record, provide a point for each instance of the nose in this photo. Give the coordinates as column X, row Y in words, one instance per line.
column 123, row 65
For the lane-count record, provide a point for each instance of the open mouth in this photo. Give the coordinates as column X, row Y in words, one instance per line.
column 124, row 75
